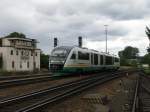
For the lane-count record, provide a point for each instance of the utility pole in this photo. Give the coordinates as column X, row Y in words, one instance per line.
column 106, row 36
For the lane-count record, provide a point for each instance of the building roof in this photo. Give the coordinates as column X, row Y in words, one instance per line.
column 18, row 38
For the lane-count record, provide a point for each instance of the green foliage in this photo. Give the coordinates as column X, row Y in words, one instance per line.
column 146, row 59
column 16, row 34
column 148, row 35
column 147, row 71
column 128, row 56
column 147, row 32
column 123, row 62
column 129, row 53
column 132, row 62
column 44, row 61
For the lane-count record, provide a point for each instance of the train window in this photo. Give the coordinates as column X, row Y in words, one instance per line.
column 83, row 56
column 116, row 60
column 101, row 60
column 95, row 59
column 108, row 60
column 73, row 56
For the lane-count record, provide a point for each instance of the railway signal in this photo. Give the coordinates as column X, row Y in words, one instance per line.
column 80, row 41
column 55, row 42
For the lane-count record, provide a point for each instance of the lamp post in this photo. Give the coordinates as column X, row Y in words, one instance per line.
column 106, row 31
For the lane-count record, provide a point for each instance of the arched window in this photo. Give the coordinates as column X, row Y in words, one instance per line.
column 11, row 52
column 27, row 64
column 13, row 64
column 17, row 52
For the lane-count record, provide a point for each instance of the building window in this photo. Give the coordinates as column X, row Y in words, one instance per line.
column 17, row 52
column 34, row 65
column 31, row 53
column 36, row 54
column 1, row 61
column 22, row 53
column 13, row 64
column 0, row 42
column 28, row 65
column 11, row 52
column 20, row 65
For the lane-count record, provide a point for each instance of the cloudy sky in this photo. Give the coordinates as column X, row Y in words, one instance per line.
column 68, row 19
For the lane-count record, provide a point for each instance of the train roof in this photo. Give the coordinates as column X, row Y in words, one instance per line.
column 64, row 47
column 68, row 48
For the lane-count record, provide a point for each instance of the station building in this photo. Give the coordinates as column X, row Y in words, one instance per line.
column 19, row 54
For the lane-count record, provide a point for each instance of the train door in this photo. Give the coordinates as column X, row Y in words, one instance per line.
column 104, row 60
column 101, row 60
column 95, row 59
column 92, row 61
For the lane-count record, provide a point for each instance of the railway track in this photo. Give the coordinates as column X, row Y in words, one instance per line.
column 38, row 99
column 26, row 80
column 2, row 78
column 6, row 82
column 142, row 94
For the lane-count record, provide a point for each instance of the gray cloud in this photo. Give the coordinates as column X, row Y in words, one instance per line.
column 67, row 19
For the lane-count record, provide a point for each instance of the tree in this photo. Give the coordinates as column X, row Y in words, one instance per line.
column 129, row 53
column 147, row 32
column 148, row 35
column 44, row 61
column 128, row 56
column 16, row 34
column 146, row 59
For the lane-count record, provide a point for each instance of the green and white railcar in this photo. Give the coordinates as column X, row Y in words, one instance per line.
column 68, row 59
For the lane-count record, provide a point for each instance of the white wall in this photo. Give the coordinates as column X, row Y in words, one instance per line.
column 8, row 59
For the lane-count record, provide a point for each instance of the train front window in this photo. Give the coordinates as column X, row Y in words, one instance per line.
column 73, row 56
column 59, row 54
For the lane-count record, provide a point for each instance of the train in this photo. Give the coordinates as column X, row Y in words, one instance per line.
column 74, row 59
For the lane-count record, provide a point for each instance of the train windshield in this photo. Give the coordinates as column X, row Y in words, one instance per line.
column 59, row 54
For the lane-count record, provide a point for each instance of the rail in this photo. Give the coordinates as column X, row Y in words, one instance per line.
column 15, row 82
column 135, row 96
column 61, row 91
